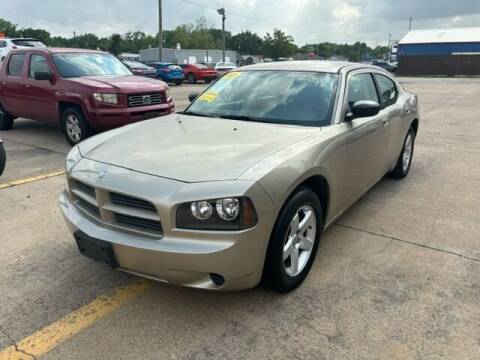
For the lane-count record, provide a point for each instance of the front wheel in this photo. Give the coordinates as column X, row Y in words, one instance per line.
column 294, row 242
column 208, row 80
column 404, row 161
column 178, row 82
column 191, row 78
column 75, row 126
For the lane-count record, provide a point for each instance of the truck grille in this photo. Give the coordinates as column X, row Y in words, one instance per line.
column 146, row 99
column 117, row 210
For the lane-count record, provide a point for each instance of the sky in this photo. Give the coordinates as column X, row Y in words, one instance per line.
column 308, row 21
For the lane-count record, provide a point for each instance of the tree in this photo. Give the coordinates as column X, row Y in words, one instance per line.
column 115, row 44
column 39, row 34
column 9, row 28
column 279, row 45
column 246, row 42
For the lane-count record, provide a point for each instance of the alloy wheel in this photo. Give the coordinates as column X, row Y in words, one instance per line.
column 73, row 129
column 299, row 240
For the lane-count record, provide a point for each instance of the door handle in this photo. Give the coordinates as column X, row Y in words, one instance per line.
column 385, row 122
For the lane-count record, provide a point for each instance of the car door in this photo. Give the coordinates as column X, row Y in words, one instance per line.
column 366, row 139
column 41, row 93
column 392, row 112
column 13, row 85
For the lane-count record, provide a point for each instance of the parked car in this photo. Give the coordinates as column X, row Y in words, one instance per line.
column 3, row 158
column 85, row 91
column 385, row 65
column 247, row 177
column 224, row 67
column 169, row 72
column 7, row 45
column 196, row 72
column 140, row 69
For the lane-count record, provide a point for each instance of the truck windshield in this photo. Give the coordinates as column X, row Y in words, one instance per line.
column 284, row 97
column 71, row 65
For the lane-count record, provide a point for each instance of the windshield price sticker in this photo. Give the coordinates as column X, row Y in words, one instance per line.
column 209, row 96
column 231, row 75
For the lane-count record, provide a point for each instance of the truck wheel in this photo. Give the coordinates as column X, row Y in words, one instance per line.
column 191, row 78
column 74, row 125
column 6, row 120
column 3, row 158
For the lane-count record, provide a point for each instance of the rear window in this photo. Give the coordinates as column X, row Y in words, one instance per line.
column 28, row 43
column 387, row 89
column 15, row 65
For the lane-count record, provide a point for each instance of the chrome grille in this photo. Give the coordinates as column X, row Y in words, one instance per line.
column 121, row 199
column 138, row 222
column 145, row 99
column 116, row 210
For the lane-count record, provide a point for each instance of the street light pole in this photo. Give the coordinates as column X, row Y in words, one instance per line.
column 222, row 12
column 160, row 31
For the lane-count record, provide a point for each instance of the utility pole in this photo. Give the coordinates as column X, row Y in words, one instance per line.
column 160, row 31
column 222, row 12
column 389, row 47
column 410, row 27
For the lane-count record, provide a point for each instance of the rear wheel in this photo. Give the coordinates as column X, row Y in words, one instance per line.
column 3, row 158
column 6, row 120
column 191, row 77
column 75, row 126
column 208, row 80
column 294, row 241
column 405, row 158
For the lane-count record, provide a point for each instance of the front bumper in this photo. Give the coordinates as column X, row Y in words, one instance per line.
column 110, row 118
column 181, row 257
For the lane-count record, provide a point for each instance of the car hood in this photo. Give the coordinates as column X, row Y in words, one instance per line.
column 192, row 149
column 121, row 84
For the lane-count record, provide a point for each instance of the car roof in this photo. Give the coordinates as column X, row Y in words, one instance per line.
column 62, row 50
column 307, row 65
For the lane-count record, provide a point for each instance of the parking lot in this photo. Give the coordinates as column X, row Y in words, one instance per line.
column 397, row 276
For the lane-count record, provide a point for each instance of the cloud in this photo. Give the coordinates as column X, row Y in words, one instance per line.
column 343, row 21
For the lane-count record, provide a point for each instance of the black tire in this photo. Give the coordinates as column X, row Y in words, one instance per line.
column 208, row 80
column 191, row 77
column 400, row 170
column 178, row 82
column 6, row 120
column 3, row 159
column 275, row 274
column 71, row 117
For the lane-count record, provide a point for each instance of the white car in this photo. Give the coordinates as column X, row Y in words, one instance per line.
column 6, row 45
column 224, row 67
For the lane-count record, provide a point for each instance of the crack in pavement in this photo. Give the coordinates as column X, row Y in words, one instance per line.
column 408, row 242
column 14, row 344
column 34, row 146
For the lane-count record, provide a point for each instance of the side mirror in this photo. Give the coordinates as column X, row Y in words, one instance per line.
column 43, row 75
column 193, row 96
column 363, row 108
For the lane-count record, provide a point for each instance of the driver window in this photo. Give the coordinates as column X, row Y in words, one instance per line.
column 38, row 63
column 361, row 87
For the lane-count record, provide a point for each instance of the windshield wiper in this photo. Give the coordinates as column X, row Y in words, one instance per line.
column 242, row 117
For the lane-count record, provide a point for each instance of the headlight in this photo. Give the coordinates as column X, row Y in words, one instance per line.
column 73, row 157
column 106, row 98
column 167, row 93
column 217, row 214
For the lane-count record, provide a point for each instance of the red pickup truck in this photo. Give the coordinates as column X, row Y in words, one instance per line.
column 85, row 91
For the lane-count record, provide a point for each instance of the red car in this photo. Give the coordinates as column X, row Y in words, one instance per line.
column 84, row 90
column 195, row 72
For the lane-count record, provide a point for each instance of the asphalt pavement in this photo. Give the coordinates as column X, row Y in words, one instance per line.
column 397, row 277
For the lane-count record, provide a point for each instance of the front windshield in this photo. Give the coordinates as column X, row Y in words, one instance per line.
column 71, row 65
column 285, row 97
